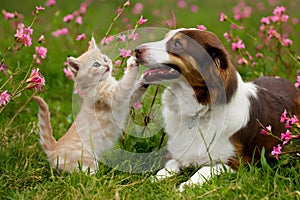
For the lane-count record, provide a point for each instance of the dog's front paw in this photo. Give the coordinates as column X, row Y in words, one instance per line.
column 131, row 63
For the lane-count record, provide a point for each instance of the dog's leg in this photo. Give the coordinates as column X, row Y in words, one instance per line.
column 171, row 167
column 204, row 174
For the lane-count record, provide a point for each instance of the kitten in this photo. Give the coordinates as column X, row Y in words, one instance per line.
column 102, row 115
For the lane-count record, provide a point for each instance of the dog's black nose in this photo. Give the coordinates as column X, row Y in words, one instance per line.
column 139, row 51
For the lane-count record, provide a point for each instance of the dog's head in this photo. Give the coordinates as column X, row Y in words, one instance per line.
column 191, row 55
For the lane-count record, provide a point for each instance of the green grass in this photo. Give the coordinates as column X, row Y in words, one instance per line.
column 24, row 170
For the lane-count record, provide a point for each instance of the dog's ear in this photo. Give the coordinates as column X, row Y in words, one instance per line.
column 219, row 56
column 93, row 44
column 73, row 65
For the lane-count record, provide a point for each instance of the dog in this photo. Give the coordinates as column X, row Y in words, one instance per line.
column 213, row 118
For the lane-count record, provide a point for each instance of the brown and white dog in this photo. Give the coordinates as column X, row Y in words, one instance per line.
column 213, row 119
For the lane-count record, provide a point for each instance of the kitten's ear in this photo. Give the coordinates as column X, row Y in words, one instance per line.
column 93, row 44
column 73, row 65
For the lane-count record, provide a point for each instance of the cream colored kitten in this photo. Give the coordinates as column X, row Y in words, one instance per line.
column 102, row 115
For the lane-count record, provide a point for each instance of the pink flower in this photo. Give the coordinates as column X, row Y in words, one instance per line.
column 227, row 37
column 133, row 36
column 125, row 53
column 38, row 9
column 118, row 62
column 273, row 33
column 242, row 61
column 283, row 117
column 267, row 130
column 238, row 45
column 276, row 151
column 50, row 3
column 19, row 34
column 78, row 20
column 42, row 39
column 36, row 80
column 122, row 37
column 275, row 18
column 107, row 40
column 3, row 68
column 8, row 15
column 142, row 20
column 137, row 9
column 287, row 42
column 27, row 40
column 201, row 27
column 41, row 51
column 279, row 10
column 297, row 84
column 81, row 37
column 83, row 7
column 37, row 59
column 126, row 4
column 294, row 119
column 295, row 20
column 59, row 32
column 4, row 98
column 194, row 8
column 286, row 136
column 181, row 3
column 68, row 18
column 284, row 18
column 265, row 20
column 223, row 17
column 137, row 105
column 68, row 73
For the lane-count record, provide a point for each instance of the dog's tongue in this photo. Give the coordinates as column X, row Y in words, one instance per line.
column 163, row 72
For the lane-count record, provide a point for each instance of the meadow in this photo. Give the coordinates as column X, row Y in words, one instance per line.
column 262, row 40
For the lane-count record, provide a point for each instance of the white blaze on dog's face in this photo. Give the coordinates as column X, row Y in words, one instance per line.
column 199, row 56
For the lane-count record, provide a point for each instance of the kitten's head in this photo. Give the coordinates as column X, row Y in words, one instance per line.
column 91, row 67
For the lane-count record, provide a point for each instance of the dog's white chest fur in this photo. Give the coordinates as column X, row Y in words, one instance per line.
column 199, row 134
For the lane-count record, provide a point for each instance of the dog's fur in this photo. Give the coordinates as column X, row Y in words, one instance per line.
column 212, row 117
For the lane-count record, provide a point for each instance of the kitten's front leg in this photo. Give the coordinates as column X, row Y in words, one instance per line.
column 125, row 86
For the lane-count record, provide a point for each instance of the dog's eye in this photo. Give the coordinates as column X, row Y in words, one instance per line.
column 96, row 64
column 177, row 44
column 105, row 59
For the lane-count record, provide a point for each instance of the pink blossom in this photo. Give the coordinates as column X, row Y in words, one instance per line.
column 181, row 3
column 36, row 80
column 50, row 3
column 37, row 59
column 227, row 37
column 3, row 67
column 138, row 8
column 223, row 17
column 276, row 151
column 118, row 62
column 38, row 9
column 78, row 20
column 294, row 119
column 284, row 18
column 287, row 42
column 279, row 10
column 122, row 37
column 142, row 20
column 19, row 34
column 107, row 40
column 68, row 73
column 8, row 15
column 133, row 36
column 201, row 27
column 68, row 18
column 125, row 53
column 83, row 7
column 267, row 130
column 4, row 98
column 42, row 39
column 286, row 136
column 265, row 20
column 41, row 51
column 275, row 18
column 59, row 32
column 137, row 105
column 126, row 4
column 28, row 31
column 273, row 33
column 81, row 37
column 295, row 20
column 238, row 45
column 27, row 40
column 194, row 8
column 259, row 55
column 242, row 61
column 283, row 116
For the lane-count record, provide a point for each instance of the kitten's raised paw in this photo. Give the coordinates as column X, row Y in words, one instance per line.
column 131, row 63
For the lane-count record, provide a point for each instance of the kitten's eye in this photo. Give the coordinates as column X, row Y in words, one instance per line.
column 105, row 59
column 177, row 44
column 96, row 64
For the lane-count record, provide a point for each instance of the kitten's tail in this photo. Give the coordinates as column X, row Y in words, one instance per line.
column 46, row 137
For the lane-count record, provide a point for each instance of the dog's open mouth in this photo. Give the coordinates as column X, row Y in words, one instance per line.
column 163, row 72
